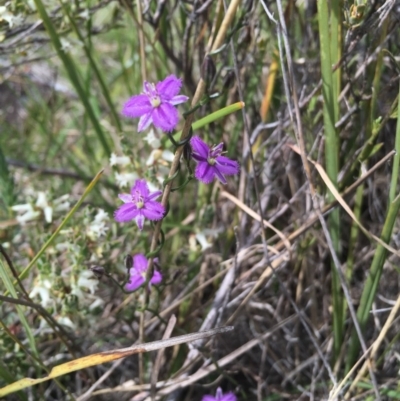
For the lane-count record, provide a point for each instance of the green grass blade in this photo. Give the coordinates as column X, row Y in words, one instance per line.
column 94, row 67
column 71, row 70
column 396, row 159
column 371, row 285
column 225, row 111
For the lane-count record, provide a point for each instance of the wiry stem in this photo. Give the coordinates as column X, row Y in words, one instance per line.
column 200, row 90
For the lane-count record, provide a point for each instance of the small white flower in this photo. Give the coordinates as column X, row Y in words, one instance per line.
column 85, row 14
column 125, row 179
column 61, row 204
column 119, row 160
column 154, row 156
column 44, row 205
column 42, row 288
column 159, row 156
column 168, row 156
column 66, row 321
column 98, row 227
column 28, row 213
column 96, row 303
column 26, row 207
column 88, row 280
column 10, row 18
column 66, row 46
column 152, row 140
column 101, row 216
column 202, row 240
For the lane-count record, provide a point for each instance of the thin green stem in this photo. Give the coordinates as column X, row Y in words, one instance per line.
column 330, row 87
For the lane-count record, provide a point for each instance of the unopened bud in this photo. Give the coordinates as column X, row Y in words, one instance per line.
column 187, row 152
column 187, row 149
column 229, row 80
column 98, row 271
column 128, row 261
column 208, row 70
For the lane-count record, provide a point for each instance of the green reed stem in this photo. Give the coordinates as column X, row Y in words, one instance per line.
column 329, row 44
column 371, row 285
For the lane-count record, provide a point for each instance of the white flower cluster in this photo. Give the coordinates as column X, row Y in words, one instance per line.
column 158, row 157
column 98, row 227
column 9, row 17
column 42, row 207
column 123, row 178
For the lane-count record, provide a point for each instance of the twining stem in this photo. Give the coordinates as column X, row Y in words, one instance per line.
column 200, row 90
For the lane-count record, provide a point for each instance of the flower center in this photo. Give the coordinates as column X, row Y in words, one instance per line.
column 211, row 161
column 151, row 91
column 140, row 204
column 155, row 101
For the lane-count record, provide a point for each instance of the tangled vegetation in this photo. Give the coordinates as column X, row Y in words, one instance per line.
column 277, row 280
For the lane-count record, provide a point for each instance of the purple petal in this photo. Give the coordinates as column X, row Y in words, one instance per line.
column 154, row 195
column 126, row 212
column 219, row 175
column 157, row 277
column 199, row 158
column 209, row 398
column 140, row 220
column 169, row 87
column 199, row 147
column 204, row 172
column 134, row 282
column 178, row 100
column 227, row 166
column 153, row 210
column 125, row 198
column 137, row 106
column 140, row 263
column 217, row 150
column 165, row 116
column 219, row 396
column 149, row 89
column 145, row 121
column 228, row 397
column 140, row 187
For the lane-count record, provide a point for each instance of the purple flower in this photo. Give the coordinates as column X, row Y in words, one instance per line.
column 210, row 163
column 138, row 273
column 219, row 396
column 156, row 104
column 139, row 204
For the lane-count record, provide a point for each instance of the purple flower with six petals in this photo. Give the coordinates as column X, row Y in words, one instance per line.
column 156, row 104
column 219, row 396
column 139, row 204
column 138, row 273
column 210, row 163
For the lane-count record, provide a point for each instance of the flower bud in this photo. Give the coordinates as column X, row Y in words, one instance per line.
column 187, row 152
column 128, row 261
column 229, row 80
column 98, row 271
column 208, row 70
